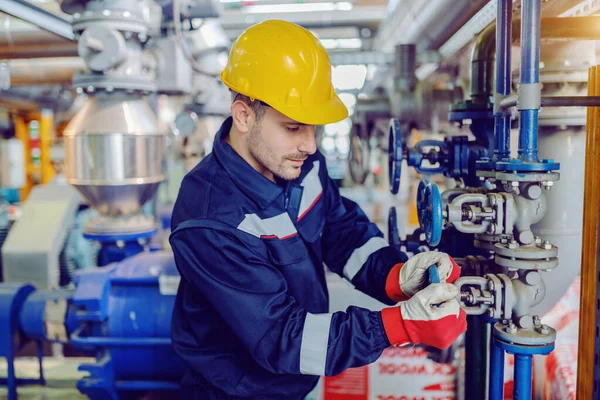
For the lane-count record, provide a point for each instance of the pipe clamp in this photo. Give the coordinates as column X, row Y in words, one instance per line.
column 530, row 96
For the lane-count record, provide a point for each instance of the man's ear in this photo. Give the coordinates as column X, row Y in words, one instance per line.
column 242, row 116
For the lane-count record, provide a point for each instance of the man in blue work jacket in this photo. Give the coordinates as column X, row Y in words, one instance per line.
column 256, row 221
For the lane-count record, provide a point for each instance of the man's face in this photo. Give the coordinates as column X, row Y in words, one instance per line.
column 280, row 145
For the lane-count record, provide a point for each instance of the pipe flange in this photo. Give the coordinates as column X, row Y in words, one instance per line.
column 487, row 242
column 91, row 83
column 527, row 252
column 121, row 20
column 483, row 245
column 123, row 224
column 485, row 173
column 528, row 176
column 526, row 337
column 512, row 263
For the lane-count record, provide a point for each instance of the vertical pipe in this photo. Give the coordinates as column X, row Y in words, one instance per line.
column 530, row 78
column 503, row 78
column 12, row 379
column 496, row 371
column 40, row 351
column 522, row 389
column 476, row 357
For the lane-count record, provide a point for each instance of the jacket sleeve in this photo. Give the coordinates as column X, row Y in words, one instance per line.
column 354, row 248
column 251, row 295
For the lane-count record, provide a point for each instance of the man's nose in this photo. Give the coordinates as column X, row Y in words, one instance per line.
column 309, row 143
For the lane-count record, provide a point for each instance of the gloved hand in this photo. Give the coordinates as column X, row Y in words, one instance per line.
column 404, row 280
column 432, row 317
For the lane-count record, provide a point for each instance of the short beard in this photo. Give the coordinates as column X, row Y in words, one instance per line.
column 265, row 156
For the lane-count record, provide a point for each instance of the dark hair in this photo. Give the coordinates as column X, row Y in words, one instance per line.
column 257, row 106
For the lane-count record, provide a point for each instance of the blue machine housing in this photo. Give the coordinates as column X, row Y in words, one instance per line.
column 121, row 313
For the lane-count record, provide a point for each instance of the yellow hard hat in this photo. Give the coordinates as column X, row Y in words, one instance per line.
column 285, row 66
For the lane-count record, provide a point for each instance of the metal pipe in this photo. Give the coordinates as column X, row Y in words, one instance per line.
column 496, row 371
column 482, row 62
column 530, row 78
column 523, row 366
column 476, row 344
column 39, row 16
column 557, row 101
column 503, row 78
column 45, row 71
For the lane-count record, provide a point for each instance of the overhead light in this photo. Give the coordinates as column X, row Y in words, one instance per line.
column 349, row 77
column 298, row 7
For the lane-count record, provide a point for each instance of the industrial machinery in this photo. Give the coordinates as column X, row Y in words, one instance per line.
column 121, row 314
column 115, row 144
column 495, row 222
column 115, row 159
column 504, row 212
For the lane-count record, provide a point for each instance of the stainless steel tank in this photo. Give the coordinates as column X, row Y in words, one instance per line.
column 114, row 153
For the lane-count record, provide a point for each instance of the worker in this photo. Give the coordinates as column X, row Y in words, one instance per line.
column 256, row 221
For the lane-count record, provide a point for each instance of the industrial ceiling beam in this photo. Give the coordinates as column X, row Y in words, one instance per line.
column 39, row 16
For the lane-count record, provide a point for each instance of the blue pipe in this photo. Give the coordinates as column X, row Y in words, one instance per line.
column 523, row 367
column 503, row 77
column 530, row 73
column 496, row 371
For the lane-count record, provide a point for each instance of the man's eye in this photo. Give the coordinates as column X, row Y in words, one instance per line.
column 293, row 128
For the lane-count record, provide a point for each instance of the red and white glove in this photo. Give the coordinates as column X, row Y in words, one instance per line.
column 404, row 280
column 432, row 316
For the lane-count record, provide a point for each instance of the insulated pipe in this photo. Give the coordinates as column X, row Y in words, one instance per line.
column 530, row 88
column 16, row 42
column 45, row 71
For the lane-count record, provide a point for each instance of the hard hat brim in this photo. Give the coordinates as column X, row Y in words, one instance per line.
column 320, row 114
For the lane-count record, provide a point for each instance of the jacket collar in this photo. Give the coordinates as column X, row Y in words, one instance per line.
column 251, row 182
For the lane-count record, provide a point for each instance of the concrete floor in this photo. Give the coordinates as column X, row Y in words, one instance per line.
column 61, row 377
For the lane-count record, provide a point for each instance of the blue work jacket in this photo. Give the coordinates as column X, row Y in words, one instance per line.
column 251, row 317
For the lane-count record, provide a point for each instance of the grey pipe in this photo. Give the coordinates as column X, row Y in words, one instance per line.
column 557, row 101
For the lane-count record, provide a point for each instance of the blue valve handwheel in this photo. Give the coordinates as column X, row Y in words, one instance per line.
column 395, row 154
column 420, row 148
column 433, row 274
column 393, row 234
column 429, row 211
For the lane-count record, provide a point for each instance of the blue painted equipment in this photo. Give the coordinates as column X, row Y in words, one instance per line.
column 395, row 155
column 523, row 367
column 429, row 211
column 454, row 157
column 529, row 105
column 433, row 274
column 121, row 313
column 413, row 243
column 119, row 246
